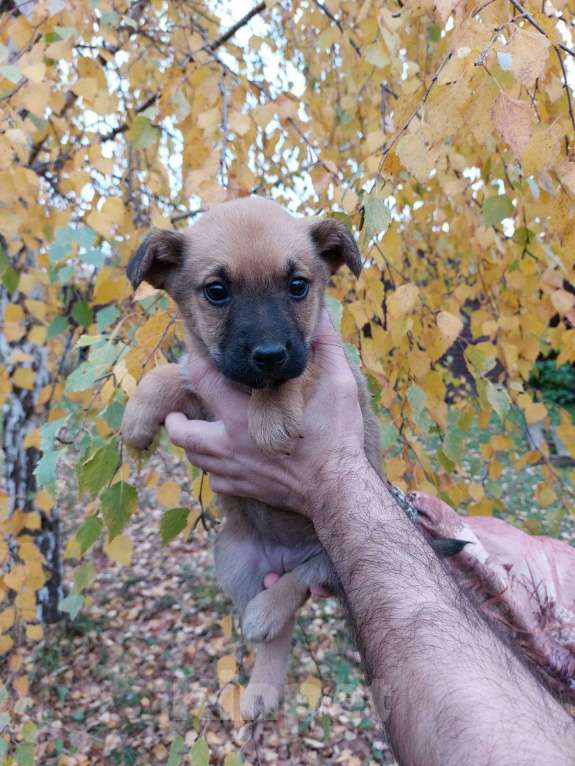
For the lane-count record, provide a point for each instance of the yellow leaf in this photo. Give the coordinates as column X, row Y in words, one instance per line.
column 38, row 334
column 73, row 549
column 169, row 494
column 14, row 327
column 240, row 123
column 34, row 632
column 32, row 519
column 113, row 210
column 36, row 308
column 227, row 624
column 32, row 439
column 35, row 72
column 15, row 663
column 21, row 685
column 230, row 702
column 7, row 617
column 514, row 122
column 449, row 325
column 227, row 669
column 535, row 411
column 311, row 689
column 403, row 300
column 5, row 385
column 528, row 49
column 416, row 155
column 562, row 301
column 6, row 643
column 120, row 550
column 24, row 377
column 111, row 286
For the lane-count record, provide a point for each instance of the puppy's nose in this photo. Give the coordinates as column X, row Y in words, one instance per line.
column 269, row 356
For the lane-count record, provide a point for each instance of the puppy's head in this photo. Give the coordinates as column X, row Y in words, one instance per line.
column 249, row 279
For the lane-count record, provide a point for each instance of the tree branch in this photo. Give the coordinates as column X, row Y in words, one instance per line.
column 238, row 25
column 516, row 4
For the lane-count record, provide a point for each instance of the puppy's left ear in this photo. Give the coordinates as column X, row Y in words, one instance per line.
column 159, row 256
column 335, row 245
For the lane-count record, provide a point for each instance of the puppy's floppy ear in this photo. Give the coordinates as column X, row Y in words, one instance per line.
column 335, row 244
column 157, row 258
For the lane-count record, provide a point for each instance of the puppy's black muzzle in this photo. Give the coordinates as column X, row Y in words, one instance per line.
column 270, row 357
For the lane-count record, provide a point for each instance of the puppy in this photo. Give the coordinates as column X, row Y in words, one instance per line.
column 249, row 280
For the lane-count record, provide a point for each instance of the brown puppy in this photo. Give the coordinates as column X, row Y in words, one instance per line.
column 249, row 280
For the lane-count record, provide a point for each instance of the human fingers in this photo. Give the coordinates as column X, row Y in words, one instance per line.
column 200, row 436
column 211, row 464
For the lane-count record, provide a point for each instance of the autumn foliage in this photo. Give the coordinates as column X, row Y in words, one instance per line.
column 442, row 133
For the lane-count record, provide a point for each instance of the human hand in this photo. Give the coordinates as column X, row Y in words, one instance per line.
column 333, row 433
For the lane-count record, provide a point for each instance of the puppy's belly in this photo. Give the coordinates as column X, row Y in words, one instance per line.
column 278, row 527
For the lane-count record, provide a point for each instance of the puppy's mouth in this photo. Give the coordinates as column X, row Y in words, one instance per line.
column 242, row 369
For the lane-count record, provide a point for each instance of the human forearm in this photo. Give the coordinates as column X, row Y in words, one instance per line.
column 441, row 679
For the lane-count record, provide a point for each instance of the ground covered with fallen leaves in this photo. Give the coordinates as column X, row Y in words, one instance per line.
column 148, row 672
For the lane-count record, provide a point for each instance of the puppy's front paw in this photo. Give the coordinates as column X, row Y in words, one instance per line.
column 259, row 700
column 137, row 430
column 263, row 617
column 274, row 429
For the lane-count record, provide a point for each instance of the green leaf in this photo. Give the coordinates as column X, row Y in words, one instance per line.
column 11, row 72
column 498, row 398
column 113, row 415
column 376, row 217
column 523, row 236
column 172, row 523
column 82, row 313
column 9, row 276
column 83, row 377
column 71, row 605
column 177, row 751
column 445, row 461
column 89, row 532
column 478, row 360
column 25, row 754
column 199, row 754
column 496, row 208
column 434, row 33
column 388, row 434
column 106, row 317
column 57, row 326
column 45, row 471
column 142, row 133
column 417, row 398
column 99, row 469
column 83, row 576
column 118, row 504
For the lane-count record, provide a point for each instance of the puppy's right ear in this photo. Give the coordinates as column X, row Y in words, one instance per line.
column 159, row 256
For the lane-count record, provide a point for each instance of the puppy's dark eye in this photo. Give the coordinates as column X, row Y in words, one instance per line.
column 216, row 292
column 298, row 287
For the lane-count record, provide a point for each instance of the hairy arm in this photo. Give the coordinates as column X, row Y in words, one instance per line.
column 448, row 689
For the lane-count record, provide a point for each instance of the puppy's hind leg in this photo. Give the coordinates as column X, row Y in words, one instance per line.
column 267, row 613
column 271, row 609
column 267, row 681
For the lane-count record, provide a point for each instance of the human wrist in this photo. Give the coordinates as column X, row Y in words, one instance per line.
column 341, row 483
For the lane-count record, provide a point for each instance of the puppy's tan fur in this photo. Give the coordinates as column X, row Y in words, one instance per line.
column 252, row 240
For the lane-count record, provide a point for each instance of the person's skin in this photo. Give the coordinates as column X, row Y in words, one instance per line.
column 448, row 689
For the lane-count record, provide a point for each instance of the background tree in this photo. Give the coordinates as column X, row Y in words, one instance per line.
column 442, row 133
